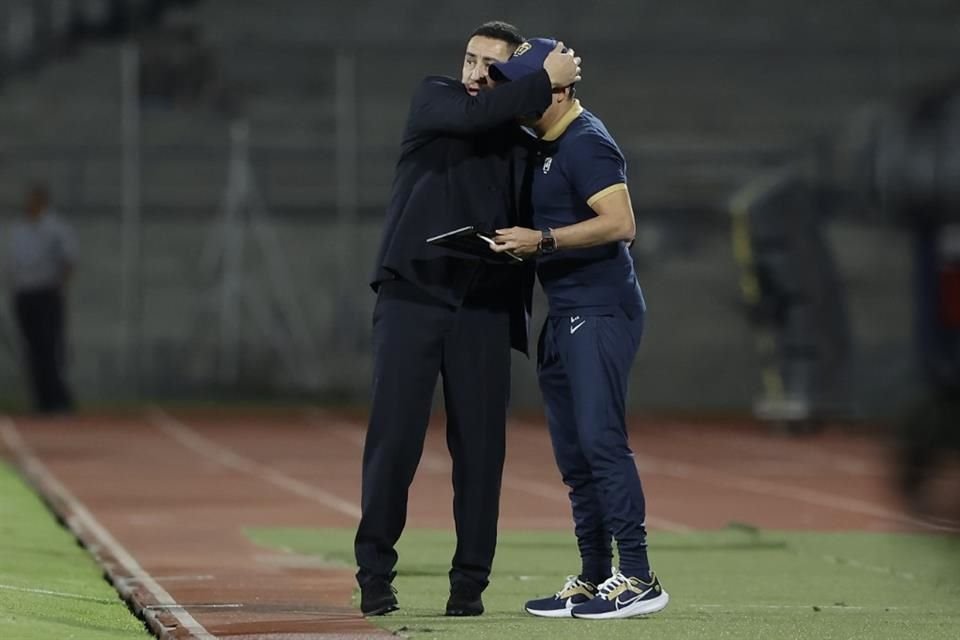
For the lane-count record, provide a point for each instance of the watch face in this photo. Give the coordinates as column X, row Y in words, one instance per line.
column 548, row 244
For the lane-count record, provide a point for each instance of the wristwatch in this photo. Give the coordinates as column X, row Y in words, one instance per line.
column 548, row 244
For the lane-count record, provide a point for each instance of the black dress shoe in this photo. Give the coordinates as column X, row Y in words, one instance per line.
column 378, row 597
column 464, row 602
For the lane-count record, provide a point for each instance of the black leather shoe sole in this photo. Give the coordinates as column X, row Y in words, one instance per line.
column 463, row 609
column 380, row 608
column 378, row 599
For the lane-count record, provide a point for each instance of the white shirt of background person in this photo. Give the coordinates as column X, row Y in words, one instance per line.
column 42, row 253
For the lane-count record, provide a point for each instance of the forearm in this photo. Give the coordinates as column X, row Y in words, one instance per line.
column 594, row 232
column 589, row 233
column 614, row 223
column 448, row 109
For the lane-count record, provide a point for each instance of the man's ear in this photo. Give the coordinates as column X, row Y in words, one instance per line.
column 562, row 95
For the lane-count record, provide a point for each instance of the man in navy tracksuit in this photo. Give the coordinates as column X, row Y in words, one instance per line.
column 583, row 220
column 439, row 314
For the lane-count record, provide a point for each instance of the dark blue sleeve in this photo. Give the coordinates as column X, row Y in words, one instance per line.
column 441, row 105
column 595, row 164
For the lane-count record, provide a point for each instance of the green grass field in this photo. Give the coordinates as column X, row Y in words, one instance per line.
column 50, row 588
column 735, row 583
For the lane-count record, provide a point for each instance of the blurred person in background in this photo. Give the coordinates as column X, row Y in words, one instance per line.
column 583, row 223
column 41, row 256
column 438, row 313
column 914, row 144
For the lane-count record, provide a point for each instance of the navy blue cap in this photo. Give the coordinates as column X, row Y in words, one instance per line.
column 527, row 59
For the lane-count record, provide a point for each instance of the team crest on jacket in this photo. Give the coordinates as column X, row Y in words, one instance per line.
column 546, row 165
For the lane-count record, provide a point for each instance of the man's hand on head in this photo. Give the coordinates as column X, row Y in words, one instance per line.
column 563, row 67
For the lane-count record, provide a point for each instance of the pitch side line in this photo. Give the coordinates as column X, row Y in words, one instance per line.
column 872, row 568
column 193, row 440
column 794, row 607
column 843, row 463
column 435, row 462
column 56, row 594
column 707, row 475
column 797, row 493
column 81, row 521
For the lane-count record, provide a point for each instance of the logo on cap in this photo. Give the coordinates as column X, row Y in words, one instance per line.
column 522, row 49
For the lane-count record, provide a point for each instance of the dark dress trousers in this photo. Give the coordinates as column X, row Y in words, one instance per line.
column 438, row 314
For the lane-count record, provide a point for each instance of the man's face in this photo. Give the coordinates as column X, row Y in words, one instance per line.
column 560, row 97
column 481, row 53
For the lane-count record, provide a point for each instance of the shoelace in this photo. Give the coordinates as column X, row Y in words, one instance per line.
column 611, row 584
column 572, row 581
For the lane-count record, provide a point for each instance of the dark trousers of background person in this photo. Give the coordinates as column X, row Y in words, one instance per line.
column 583, row 367
column 417, row 338
column 40, row 317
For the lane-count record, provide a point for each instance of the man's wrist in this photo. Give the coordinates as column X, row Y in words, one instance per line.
column 547, row 244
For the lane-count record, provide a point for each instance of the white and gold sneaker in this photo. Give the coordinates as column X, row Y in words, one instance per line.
column 574, row 592
column 623, row 596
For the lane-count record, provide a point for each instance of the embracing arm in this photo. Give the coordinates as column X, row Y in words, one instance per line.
column 441, row 105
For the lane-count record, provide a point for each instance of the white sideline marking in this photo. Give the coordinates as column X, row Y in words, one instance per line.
column 193, row 440
column 58, row 594
column 160, row 607
column 835, row 607
column 80, row 519
column 707, row 475
column 183, row 578
column 843, row 463
column 437, row 463
column 889, row 571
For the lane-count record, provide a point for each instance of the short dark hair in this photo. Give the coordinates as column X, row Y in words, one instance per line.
column 499, row 30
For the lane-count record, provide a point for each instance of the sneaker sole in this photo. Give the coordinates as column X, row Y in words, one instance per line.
column 550, row 613
column 645, row 607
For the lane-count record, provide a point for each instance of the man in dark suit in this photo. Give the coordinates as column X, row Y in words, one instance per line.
column 438, row 313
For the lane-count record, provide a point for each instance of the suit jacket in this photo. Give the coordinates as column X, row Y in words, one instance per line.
column 462, row 162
